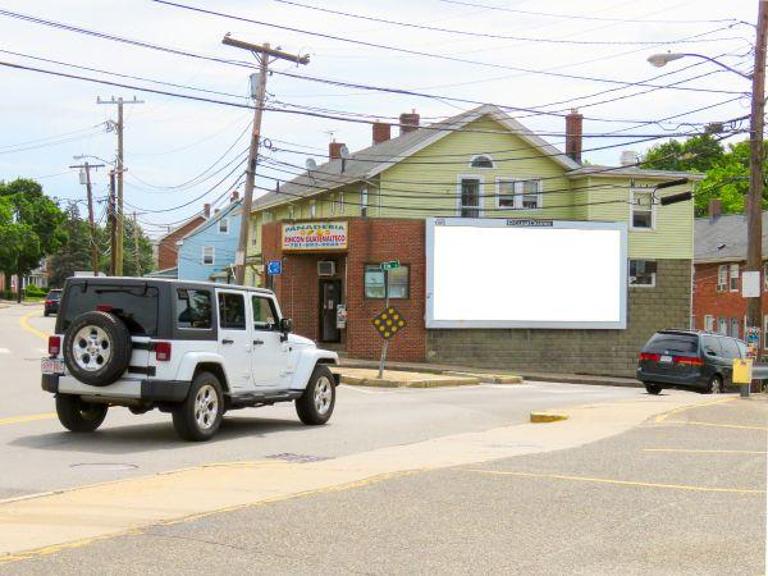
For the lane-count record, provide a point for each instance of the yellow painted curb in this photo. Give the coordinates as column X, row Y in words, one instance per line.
column 542, row 417
column 25, row 325
column 426, row 383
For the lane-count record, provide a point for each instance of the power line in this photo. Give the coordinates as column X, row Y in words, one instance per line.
column 498, row 36
column 419, row 52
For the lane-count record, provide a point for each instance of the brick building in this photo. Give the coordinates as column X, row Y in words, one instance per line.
column 370, row 206
column 167, row 250
column 720, row 258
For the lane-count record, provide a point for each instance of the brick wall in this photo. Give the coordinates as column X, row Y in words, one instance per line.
column 167, row 256
column 708, row 301
column 608, row 352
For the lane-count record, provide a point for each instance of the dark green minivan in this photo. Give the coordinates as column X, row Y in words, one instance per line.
column 688, row 359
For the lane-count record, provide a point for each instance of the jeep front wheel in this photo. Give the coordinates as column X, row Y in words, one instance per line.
column 316, row 404
column 198, row 418
column 79, row 416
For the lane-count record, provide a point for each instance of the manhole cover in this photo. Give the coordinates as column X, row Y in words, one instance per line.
column 297, row 458
column 104, row 466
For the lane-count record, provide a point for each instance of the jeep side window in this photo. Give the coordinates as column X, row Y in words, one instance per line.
column 193, row 308
column 231, row 311
column 264, row 317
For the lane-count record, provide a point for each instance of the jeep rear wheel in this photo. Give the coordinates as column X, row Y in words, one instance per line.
column 198, row 418
column 97, row 348
column 79, row 416
column 316, row 404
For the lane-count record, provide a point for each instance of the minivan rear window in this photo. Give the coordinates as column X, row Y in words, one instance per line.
column 673, row 343
column 136, row 305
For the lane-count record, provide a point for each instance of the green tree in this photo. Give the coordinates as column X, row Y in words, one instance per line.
column 36, row 229
column 697, row 154
column 146, row 260
column 728, row 181
column 75, row 254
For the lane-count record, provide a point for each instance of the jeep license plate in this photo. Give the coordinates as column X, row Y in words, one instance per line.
column 52, row 366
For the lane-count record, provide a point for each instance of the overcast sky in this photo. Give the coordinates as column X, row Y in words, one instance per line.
column 47, row 120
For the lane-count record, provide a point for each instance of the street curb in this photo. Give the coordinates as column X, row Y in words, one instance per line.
column 489, row 378
column 545, row 417
column 386, row 383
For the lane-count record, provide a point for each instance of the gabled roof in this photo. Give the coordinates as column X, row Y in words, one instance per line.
column 371, row 161
column 182, row 225
column 213, row 219
column 724, row 239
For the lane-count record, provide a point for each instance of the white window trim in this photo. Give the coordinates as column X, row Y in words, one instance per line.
column 480, row 192
column 517, row 198
column 724, row 286
column 632, row 192
column 313, row 209
column 291, row 211
column 711, row 323
column 364, row 206
column 341, row 202
column 219, row 226
column 332, row 198
column 731, row 276
column 476, row 156
column 213, row 256
column 653, row 282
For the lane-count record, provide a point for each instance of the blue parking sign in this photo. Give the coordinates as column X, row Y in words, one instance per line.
column 274, row 267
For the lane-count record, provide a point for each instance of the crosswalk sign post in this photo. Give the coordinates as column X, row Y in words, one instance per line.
column 389, row 322
column 275, row 267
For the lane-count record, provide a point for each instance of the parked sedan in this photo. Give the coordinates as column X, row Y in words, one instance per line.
column 688, row 359
column 52, row 302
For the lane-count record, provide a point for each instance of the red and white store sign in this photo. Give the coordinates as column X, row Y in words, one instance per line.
column 318, row 236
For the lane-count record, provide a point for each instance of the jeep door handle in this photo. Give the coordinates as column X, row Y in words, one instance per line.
column 227, row 341
column 258, row 342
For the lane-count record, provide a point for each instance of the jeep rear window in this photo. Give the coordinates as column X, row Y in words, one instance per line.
column 136, row 305
column 673, row 343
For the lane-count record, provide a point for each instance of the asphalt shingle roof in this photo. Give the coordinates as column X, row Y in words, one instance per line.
column 724, row 238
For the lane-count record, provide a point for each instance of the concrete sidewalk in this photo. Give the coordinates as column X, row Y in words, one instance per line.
column 493, row 375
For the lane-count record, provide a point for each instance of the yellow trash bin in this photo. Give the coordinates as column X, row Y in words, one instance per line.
column 742, row 371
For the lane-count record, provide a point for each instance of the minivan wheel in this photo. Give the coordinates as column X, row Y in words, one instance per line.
column 198, row 418
column 715, row 385
column 653, row 388
column 79, row 416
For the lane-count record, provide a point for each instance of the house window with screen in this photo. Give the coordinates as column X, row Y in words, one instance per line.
column 364, row 201
column 709, row 323
column 518, row 194
column 642, row 273
column 642, row 209
column 722, row 325
column 312, row 209
column 224, row 226
column 733, row 281
column 209, row 255
column 735, row 327
column 470, row 198
column 722, row 277
column 398, row 282
column 481, row 161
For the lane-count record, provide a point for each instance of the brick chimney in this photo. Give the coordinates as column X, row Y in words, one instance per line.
column 235, row 196
column 334, row 150
column 381, row 132
column 207, row 211
column 573, row 132
column 409, row 121
column 715, row 209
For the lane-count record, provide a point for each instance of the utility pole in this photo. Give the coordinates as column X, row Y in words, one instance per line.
column 136, row 254
column 112, row 226
column 118, row 126
column 263, row 53
column 86, row 170
column 754, row 204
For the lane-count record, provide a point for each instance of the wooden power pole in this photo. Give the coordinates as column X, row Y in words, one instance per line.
column 86, row 169
column 136, row 253
column 118, row 126
column 112, row 226
column 263, row 53
column 754, row 204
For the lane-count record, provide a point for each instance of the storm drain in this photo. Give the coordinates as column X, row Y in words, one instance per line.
column 297, row 458
column 104, row 466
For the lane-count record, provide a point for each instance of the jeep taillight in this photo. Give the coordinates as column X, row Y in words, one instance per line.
column 163, row 351
column 54, row 345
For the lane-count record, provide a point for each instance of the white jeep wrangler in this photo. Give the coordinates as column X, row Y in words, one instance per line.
column 194, row 349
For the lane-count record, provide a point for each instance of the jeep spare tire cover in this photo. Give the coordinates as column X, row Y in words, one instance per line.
column 97, row 348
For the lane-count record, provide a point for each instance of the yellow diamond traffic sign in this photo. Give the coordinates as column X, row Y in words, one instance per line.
column 389, row 322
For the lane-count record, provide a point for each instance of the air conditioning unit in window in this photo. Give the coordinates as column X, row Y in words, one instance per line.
column 326, row 268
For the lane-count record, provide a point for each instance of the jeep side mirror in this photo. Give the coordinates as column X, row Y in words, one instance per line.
column 286, row 325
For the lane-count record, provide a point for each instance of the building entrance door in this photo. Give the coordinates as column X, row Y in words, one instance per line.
column 330, row 298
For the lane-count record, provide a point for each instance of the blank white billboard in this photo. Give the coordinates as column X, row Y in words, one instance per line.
column 497, row 273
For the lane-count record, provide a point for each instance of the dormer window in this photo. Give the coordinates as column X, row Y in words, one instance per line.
column 481, row 161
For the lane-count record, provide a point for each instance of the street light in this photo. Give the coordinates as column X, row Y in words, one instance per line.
column 754, row 205
column 664, row 58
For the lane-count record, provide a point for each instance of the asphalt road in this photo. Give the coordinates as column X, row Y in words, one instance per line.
column 39, row 455
column 681, row 494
